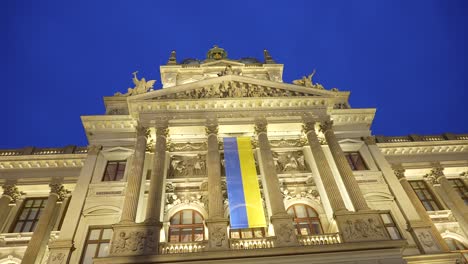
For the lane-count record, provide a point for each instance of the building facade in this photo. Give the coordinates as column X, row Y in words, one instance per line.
column 154, row 184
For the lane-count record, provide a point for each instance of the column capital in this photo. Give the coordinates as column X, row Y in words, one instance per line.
column 437, row 172
column 326, row 126
column 308, row 126
column 370, row 140
column 211, row 129
column 11, row 191
column 94, row 149
column 162, row 131
column 142, row 131
column 59, row 190
column 261, row 127
column 399, row 173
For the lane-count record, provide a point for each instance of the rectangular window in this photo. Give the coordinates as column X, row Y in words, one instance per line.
column 248, row 233
column 97, row 244
column 114, row 171
column 390, row 225
column 355, row 161
column 29, row 215
column 425, row 196
column 461, row 189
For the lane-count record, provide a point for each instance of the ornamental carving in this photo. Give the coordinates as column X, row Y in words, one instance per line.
column 308, row 82
column 94, row 149
column 211, row 129
column 435, row 175
column 308, row 127
column 218, row 236
column 399, row 173
column 173, row 199
column 365, row 228
column 287, row 143
column 57, row 258
column 285, row 233
column 134, row 242
column 300, row 193
column 141, row 86
column 369, row 140
column 12, row 191
column 290, row 162
column 187, row 166
column 162, row 131
column 187, row 146
column 326, row 126
column 229, row 89
column 59, row 190
column 260, row 127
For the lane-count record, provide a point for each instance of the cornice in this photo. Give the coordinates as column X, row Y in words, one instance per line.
column 40, row 161
column 434, row 147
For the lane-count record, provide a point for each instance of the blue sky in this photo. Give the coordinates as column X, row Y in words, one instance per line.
column 408, row 59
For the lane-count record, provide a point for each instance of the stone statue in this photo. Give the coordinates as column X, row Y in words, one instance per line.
column 141, row 86
column 306, row 80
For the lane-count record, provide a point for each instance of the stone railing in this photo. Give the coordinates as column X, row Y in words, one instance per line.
column 414, row 138
column 43, row 151
column 323, row 239
column 252, row 243
column 182, row 247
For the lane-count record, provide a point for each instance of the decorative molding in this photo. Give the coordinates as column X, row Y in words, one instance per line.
column 11, row 191
column 59, row 190
column 261, row 127
column 211, row 129
column 326, row 125
column 58, row 162
column 187, row 146
column 288, row 143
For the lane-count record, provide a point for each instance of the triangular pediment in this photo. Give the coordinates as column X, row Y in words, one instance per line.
column 222, row 63
column 234, row 86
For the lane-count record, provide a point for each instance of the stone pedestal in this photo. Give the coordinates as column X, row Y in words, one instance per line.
column 284, row 230
column 361, row 226
column 135, row 239
column 218, row 237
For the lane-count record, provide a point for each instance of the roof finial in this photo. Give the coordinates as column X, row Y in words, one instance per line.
column 172, row 59
column 267, row 57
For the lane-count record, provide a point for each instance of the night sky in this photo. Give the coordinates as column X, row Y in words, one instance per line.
column 408, row 59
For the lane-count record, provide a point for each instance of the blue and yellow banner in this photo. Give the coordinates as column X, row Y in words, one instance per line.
column 245, row 202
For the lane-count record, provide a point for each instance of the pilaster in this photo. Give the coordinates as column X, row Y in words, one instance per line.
column 10, row 195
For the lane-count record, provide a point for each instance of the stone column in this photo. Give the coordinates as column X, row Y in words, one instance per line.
column 331, row 188
column 342, row 164
column 10, row 195
column 128, row 234
column 61, row 248
column 442, row 186
column 216, row 222
column 424, row 233
column 39, row 240
column 281, row 221
column 132, row 192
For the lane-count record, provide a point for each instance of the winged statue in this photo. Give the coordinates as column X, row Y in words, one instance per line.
column 141, row 86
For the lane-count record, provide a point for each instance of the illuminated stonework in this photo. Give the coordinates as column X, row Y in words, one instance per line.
column 151, row 185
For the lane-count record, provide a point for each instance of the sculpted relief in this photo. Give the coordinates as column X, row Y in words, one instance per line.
column 233, row 89
column 187, row 165
column 289, row 162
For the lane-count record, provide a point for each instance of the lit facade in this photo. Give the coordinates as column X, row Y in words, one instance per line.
column 151, row 185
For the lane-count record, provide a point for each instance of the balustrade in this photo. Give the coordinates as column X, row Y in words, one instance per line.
column 323, row 239
column 252, row 243
column 177, row 248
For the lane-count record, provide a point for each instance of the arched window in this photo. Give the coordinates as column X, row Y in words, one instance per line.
column 454, row 244
column 186, row 226
column 306, row 220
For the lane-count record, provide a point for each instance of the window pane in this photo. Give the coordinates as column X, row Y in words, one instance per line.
column 187, row 216
column 24, row 214
column 174, row 235
column 107, row 234
column 103, row 250
column 235, row 234
column 387, row 219
column 258, row 233
column 27, row 227
column 17, row 228
column 394, row 234
column 175, row 220
column 89, row 254
column 186, row 235
column 198, row 219
column 94, row 234
column 198, row 236
column 311, row 212
column 300, row 211
column 247, row 234
column 291, row 211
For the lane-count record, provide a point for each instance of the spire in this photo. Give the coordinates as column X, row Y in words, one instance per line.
column 267, row 57
column 172, row 59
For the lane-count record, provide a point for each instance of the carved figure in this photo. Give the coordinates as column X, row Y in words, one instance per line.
column 289, row 162
column 306, row 80
column 218, row 236
column 285, row 233
column 141, row 86
column 187, row 166
column 426, row 239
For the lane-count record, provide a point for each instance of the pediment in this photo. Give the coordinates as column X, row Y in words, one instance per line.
column 234, row 86
column 222, row 63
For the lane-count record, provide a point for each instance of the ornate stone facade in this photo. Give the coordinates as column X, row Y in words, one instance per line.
column 151, row 186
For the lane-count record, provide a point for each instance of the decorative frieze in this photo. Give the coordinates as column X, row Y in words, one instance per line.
column 290, row 162
column 42, row 163
column 131, row 240
column 288, row 143
column 187, row 166
column 362, row 227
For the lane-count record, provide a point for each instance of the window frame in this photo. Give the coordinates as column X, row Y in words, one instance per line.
column 309, row 219
column 97, row 242
column 424, row 189
column 460, row 188
column 354, row 163
column 391, row 225
column 34, row 221
column 193, row 226
column 116, row 173
column 241, row 231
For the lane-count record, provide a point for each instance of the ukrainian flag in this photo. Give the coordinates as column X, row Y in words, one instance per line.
column 245, row 202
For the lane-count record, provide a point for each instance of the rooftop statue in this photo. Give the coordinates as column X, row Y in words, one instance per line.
column 141, row 86
column 307, row 81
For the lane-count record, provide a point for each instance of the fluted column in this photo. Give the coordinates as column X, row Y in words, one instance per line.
column 420, row 231
column 345, row 170
column 153, row 209
column 62, row 247
column 40, row 237
column 325, row 172
column 132, row 192
column 10, row 195
column 281, row 221
column 216, row 222
column 440, row 183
